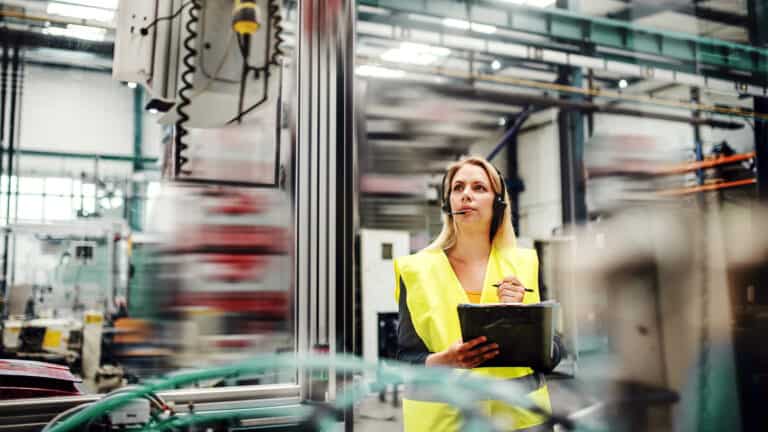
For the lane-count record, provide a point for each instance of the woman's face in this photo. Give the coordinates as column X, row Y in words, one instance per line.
column 471, row 192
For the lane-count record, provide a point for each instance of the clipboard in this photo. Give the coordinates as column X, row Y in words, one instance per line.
column 524, row 332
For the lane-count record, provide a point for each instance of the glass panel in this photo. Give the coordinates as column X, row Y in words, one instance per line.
column 32, row 185
column 58, row 186
column 88, row 189
column 30, row 208
column 58, row 208
column 4, row 182
column 89, row 205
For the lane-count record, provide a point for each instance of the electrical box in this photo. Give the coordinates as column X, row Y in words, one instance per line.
column 133, row 58
column 135, row 412
column 378, row 249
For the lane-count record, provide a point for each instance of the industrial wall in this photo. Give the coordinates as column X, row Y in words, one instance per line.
column 78, row 111
column 539, row 157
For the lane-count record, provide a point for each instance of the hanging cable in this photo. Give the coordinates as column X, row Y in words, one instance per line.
column 187, row 86
column 273, row 55
column 277, row 20
column 145, row 30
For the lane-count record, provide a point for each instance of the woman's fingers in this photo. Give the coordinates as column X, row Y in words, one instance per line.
column 477, row 355
column 511, row 280
column 467, row 346
column 477, row 361
column 511, row 293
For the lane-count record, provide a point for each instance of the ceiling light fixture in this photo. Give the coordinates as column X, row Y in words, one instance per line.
column 414, row 53
column 379, row 72
column 457, row 23
column 95, row 34
column 80, row 11
column 541, row 3
column 483, row 28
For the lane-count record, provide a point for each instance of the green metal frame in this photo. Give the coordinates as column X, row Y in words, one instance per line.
column 597, row 37
column 136, row 204
column 72, row 155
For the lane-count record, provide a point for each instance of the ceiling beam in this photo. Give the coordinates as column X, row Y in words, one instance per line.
column 635, row 11
column 40, row 40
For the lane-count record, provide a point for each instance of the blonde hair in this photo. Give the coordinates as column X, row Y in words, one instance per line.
column 505, row 234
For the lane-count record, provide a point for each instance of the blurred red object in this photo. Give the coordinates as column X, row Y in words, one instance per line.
column 236, row 268
column 240, row 204
column 264, row 304
column 31, row 379
column 235, row 238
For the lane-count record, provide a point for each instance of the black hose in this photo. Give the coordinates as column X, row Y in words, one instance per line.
column 186, row 87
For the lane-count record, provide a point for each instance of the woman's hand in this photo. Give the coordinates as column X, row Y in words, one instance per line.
column 510, row 290
column 465, row 355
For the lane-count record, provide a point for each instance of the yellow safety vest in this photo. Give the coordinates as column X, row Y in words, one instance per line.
column 433, row 293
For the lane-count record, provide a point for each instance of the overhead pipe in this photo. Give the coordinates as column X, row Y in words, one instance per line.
column 707, row 187
column 510, row 98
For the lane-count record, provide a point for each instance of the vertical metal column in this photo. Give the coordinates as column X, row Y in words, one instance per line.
column 761, row 149
column 3, row 86
column 136, row 204
column 571, row 135
column 749, row 334
column 758, row 35
column 697, row 142
column 14, row 79
column 325, row 179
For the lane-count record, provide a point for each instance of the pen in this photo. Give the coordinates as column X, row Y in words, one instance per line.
column 498, row 285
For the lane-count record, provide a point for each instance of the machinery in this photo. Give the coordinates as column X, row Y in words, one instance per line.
column 63, row 280
column 23, row 379
column 225, row 70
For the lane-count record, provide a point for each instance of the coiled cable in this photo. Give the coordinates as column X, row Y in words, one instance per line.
column 187, row 86
column 276, row 19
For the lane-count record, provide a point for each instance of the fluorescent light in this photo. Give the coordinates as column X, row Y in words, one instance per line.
column 466, row 25
column 483, row 28
column 495, row 65
column 414, row 53
column 379, row 72
column 101, row 4
column 438, row 51
column 131, row 85
column 541, row 3
column 457, row 23
column 77, row 31
column 81, row 12
column 534, row 3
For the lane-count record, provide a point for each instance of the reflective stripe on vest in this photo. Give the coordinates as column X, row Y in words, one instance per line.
column 434, row 292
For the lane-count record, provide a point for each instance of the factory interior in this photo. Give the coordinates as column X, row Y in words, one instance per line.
column 207, row 208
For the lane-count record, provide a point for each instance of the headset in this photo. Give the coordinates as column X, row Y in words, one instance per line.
column 499, row 205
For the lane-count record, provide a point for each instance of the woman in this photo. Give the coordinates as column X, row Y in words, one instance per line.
column 475, row 251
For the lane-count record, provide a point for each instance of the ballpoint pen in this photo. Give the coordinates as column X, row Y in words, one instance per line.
column 498, row 285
